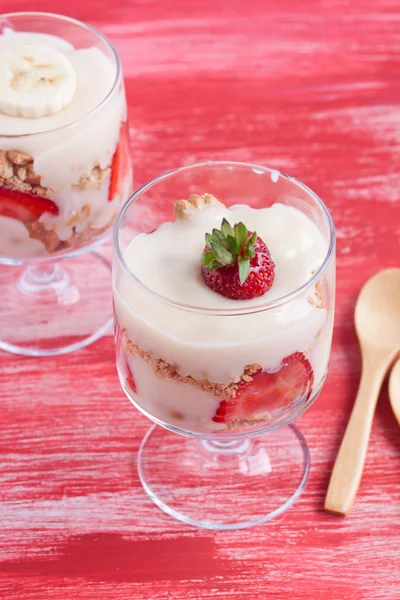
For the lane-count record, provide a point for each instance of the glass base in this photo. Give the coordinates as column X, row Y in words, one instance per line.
column 224, row 485
column 54, row 308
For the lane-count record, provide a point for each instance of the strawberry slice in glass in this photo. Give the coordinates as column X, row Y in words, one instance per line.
column 24, row 207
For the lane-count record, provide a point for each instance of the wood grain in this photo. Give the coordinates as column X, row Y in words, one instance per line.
column 377, row 323
column 311, row 88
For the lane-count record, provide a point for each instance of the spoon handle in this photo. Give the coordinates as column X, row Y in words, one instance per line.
column 349, row 464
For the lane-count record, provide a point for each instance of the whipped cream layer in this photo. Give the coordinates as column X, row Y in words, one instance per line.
column 216, row 347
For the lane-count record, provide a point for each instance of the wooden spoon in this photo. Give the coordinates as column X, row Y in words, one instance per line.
column 377, row 321
column 394, row 390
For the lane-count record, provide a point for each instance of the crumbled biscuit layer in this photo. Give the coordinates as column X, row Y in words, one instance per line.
column 88, row 234
column 184, row 209
column 49, row 239
column 17, row 173
column 222, row 391
column 316, row 297
column 95, row 178
column 80, row 215
column 52, row 242
column 248, row 423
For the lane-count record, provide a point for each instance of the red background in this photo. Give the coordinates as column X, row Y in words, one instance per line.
column 311, row 88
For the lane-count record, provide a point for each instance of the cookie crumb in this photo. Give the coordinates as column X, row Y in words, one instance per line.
column 316, row 298
column 95, row 178
column 185, row 209
column 19, row 158
column 178, row 416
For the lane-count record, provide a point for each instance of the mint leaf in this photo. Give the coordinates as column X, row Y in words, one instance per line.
column 244, row 267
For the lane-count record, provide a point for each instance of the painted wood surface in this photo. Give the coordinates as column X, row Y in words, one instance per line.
column 311, row 88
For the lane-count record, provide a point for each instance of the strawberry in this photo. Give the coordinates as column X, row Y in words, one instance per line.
column 24, row 207
column 269, row 391
column 122, row 359
column 120, row 163
column 130, row 382
column 236, row 263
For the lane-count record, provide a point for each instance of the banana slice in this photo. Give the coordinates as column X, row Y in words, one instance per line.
column 35, row 81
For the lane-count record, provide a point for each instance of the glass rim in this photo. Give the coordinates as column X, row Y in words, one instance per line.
column 99, row 35
column 255, row 308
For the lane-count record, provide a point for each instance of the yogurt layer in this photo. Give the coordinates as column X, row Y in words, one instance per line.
column 212, row 346
column 178, row 404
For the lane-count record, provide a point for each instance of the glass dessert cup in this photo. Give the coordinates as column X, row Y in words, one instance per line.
column 187, row 366
column 64, row 174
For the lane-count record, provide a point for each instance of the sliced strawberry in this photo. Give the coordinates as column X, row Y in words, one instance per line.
column 24, row 207
column 115, row 170
column 120, row 163
column 123, row 364
column 269, row 391
column 129, row 381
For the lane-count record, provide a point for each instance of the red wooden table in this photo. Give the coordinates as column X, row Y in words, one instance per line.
column 311, row 88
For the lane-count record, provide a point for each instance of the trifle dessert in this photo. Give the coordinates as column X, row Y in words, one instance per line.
column 209, row 339
column 64, row 152
column 223, row 287
column 65, row 171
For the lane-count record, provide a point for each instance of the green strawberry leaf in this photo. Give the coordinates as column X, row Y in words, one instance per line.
column 214, row 264
column 209, row 240
column 253, row 238
column 207, row 258
column 244, row 267
column 222, row 255
column 217, row 236
column 233, row 246
column 226, row 228
column 241, row 233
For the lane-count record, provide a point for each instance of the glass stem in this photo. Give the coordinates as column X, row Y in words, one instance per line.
column 231, row 447
column 43, row 277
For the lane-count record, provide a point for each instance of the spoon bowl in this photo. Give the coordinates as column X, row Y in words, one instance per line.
column 394, row 390
column 377, row 321
column 377, row 314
